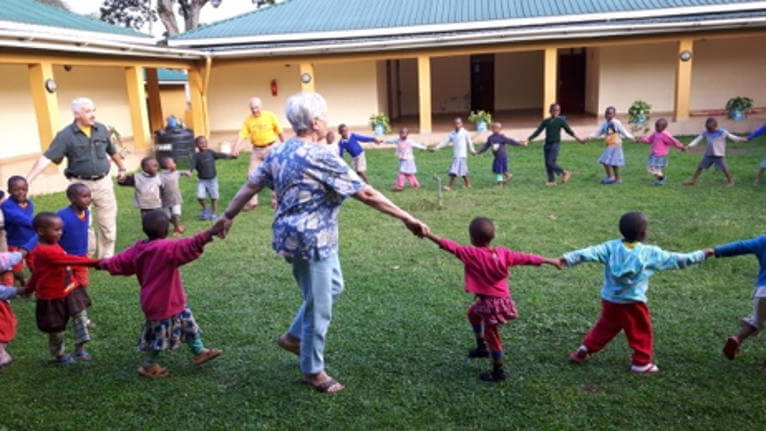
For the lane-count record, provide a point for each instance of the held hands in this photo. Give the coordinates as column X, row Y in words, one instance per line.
column 524, row 143
column 221, row 227
column 708, row 252
column 582, row 140
column 417, row 227
column 121, row 175
column 558, row 263
column 685, row 148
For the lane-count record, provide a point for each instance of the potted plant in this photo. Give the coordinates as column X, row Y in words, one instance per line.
column 638, row 116
column 481, row 119
column 380, row 124
column 738, row 107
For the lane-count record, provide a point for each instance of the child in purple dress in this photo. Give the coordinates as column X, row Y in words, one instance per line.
column 497, row 141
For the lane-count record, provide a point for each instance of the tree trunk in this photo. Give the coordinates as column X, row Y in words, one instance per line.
column 167, row 16
column 191, row 21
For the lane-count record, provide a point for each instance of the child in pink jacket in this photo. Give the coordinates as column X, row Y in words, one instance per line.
column 155, row 262
column 486, row 276
column 661, row 141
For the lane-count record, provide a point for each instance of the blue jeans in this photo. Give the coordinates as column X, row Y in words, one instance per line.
column 321, row 282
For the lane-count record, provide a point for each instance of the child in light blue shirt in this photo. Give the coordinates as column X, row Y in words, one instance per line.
column 628, row 265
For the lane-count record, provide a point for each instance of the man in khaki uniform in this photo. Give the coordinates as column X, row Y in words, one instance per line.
column 88, row 148
column 262, row 129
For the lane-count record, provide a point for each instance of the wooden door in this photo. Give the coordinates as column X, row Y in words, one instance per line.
column 571, row 80
column 483, row 82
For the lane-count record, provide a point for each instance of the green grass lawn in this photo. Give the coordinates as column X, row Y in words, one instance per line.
column 399, row 335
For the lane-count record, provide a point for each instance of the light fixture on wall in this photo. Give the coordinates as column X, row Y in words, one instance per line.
column 685, row 55
column 305, row 78
column 68, row 67
column 50, row 85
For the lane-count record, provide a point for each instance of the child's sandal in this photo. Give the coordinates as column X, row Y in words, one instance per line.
column 494, row 376
column 207, row 355
column 644, row 369
column 731, row 348
column 156, row 371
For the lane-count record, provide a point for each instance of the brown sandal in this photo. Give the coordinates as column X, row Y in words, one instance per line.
column 207, row 355
column 291, row 347
column 329, row 386
column 156, row 371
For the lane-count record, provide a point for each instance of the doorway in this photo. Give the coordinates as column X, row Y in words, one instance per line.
column 483, row 82
column 571, row 80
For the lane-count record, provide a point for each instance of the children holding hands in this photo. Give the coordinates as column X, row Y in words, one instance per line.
column 497, row 142
column 612, row 158
column 661, row 141
column 18, row 212
column 553, row 126
column 715, row 153
column 406, row 156
column 486, row 276
column 148, row 186
column 203, row 162
column 7, row 318
column 461, row 146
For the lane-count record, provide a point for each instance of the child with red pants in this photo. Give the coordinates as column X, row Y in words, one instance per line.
column 7, row 318
column 628, row 266
column 486, row 276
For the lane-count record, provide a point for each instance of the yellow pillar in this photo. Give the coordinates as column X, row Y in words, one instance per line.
column 424, row 93
column 198, row 108
column 550, row 78
column 46, row 104
column 306, row 73
column 139, row 117
column 684, row 78
column 156, row 119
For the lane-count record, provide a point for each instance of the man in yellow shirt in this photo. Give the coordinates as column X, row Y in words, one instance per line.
column 262, row 129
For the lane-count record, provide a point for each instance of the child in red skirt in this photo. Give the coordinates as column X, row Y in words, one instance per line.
column 155, row 262
column 628, row 266
column 56, row 289
column 7, row 318
column 486, row 276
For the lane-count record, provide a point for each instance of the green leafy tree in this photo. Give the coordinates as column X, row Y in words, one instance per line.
column 137, row 13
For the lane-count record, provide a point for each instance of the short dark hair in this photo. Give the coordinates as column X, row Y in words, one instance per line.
column 155, row 224
column 75, row 188
column 633, row 226
column 164, row 160
column 43, row 219
column 611, row 108
column 711, row 122
column 198, row 138
column 661, row 124
column 341, row 126
column 15, row 178
column 553, row 105
column 146, row 160
column 482, row 230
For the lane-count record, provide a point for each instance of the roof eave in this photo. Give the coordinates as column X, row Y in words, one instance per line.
column 510, row 36
column 63, row 32
column 469, row 26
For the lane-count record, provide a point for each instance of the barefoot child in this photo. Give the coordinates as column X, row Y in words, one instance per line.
column 147, row 184
column 7, row 318
column 715, row 153
column 486, row 276
column 350, row 142
column 461, row 145
column 628, row 266
column 754, row 323
column 155, row 262
column 756, row 133
column 56, row 289
column 552, row 126
column 612, row 158
column 497, row 141
column 406, row 156
column 660, row 141
column 170, row 194
column 18, row 212
column 203, row 162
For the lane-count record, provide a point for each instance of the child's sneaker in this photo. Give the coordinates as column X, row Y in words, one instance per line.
column 644, row 369
column 731, row 348
column 213, row 217
column 579, row 355
column 204, row 214
column 63, row 360
column 82, row 355
column 494, row 376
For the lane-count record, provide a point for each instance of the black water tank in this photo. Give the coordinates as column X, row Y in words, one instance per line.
column 177, row 143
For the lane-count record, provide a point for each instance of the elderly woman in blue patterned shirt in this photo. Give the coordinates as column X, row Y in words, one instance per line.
column 311, row 183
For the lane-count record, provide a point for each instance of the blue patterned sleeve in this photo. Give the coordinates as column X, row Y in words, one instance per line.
column 335, row 173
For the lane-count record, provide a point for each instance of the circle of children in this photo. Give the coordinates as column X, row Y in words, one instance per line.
column 55, row 247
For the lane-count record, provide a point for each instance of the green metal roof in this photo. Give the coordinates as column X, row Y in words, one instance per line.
column 311, row 16
column 32, row 12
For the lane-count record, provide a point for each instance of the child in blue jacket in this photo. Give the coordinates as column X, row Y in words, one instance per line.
column 754, row 323
column 628, row 265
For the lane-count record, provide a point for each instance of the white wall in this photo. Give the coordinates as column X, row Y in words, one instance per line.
column 518, row 80
column 351, row 90
column 232, row 85
column 17, row 113
column 106, row 86
column 632, row 72
column 726, row 68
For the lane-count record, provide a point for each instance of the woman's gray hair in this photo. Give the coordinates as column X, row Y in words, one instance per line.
column 80, row 102
column 302, row 109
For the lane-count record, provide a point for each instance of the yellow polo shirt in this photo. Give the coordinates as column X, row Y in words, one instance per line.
column 262, row 130
column 86, row 129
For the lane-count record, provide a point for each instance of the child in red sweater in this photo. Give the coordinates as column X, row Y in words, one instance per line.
column 56, row 291
column 486, row 276
column 7, row 318
column 155, row 262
